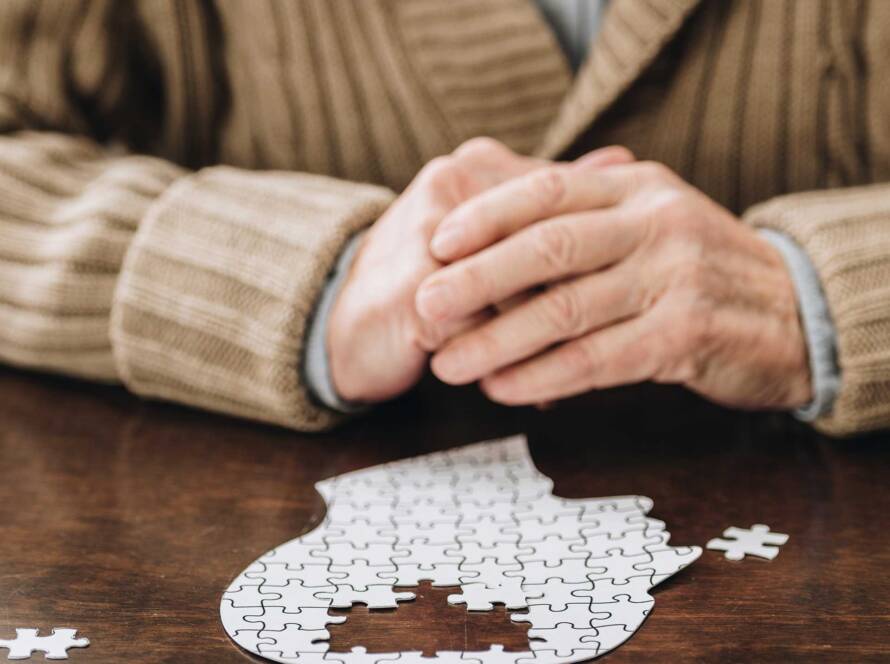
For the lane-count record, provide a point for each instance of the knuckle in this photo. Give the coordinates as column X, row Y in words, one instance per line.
column 653, row 171
column 563, row 312
column 439, row 172
column 486, row 345
column 677, row 208
column 700, row 325
column 427, row 336
column 691, row 338
column 692, row 278
column 641, row 295
column 622, row 152
column 554, row 245
column 473, row 277
column 580, row 359
column 481, row 147
column 548, row 187
column 649, row 177
column 675, row 219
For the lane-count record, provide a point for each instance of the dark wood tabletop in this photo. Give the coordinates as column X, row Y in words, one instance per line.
column 127, row 519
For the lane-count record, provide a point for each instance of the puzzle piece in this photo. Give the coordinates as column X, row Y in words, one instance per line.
column 563, row 639
column 621, row 612
column 489, row 572
column 495, row 655
column 542, row 616
column 635, row 588
column 479, row 517
column 360, row 655
column 375, row 597
column 505, row 553
column 532, row 531
column 377, row 554
column 441, row 657
column 547, row 509
column 291, row 642
column 295, row 595
column 279, row 574
column 479, row 597
column 666, row 562
column 246, row 596
column 538, row 571
column 251, row 637
column 426, row 555
column 487, row 534
column 552, row 550
column 555, row 593
column 359, row 574
column 276, row 618
column 435, row 533
column 443, row 574
column 473, row 511
column 55, row 646
column 756, row 541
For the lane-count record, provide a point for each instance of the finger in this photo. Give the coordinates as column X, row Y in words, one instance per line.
column 628, row 352
column 565, row 311
column 513, row 302
column 540, row 194
column 547, row 251
column 608, row 156
column 432, row 336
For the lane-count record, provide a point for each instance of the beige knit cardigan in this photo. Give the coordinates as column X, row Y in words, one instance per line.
column 178, row 176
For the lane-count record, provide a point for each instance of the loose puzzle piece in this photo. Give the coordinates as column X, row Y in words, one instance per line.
column 758, row 541
column 480, row 517
column 54, row 646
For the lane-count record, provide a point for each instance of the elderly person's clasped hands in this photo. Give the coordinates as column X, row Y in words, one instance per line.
column 543, row 281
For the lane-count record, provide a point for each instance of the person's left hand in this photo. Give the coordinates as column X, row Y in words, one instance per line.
column 640, row 276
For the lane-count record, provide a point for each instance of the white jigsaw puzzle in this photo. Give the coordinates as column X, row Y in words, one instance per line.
column 481, row 517
column 54, row 646
column 756, row 541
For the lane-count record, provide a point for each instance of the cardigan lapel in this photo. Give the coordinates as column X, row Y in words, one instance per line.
column 632, row 34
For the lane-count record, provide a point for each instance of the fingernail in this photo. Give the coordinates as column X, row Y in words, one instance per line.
column 446, row 240
column 434, row 301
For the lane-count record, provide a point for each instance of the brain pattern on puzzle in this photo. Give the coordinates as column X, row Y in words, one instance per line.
column 481, row 517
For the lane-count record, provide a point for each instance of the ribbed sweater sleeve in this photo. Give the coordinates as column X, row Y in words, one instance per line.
column 846, row 233
column 191, row 286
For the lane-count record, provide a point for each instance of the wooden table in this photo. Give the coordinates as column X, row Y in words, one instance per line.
column 127, row 519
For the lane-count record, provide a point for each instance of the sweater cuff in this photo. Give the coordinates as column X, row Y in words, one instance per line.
column 846, row 235
column 219, row 282
column 817, row 326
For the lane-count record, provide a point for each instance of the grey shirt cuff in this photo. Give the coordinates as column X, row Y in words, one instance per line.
column 317, row 368
column 817, row 325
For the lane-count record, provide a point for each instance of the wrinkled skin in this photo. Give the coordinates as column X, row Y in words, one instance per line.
column 634, row 275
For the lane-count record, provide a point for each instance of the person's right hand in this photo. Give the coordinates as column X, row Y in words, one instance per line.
column 377, row 345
